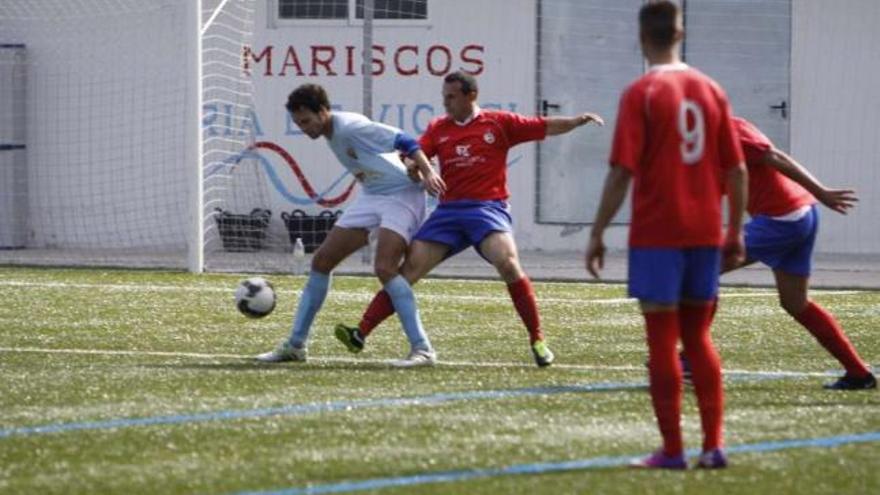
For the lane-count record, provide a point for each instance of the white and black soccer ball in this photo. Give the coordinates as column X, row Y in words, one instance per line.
column 255, row 297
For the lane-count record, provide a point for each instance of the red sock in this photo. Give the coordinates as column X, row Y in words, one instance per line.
column 705, row 370
column 379, row 309
column 830, row 335
column 664, row 370
column 524, row 301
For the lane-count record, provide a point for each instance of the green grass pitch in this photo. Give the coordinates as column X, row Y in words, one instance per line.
column 141, row 382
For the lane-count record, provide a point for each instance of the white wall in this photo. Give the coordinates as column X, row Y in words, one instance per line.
column 836, row 112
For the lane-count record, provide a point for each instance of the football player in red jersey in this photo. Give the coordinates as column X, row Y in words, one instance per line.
column 676, row 142
column 471, row 145
column 781, row 234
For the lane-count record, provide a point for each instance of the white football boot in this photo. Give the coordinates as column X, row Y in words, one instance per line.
column 284, row 352
column 416, row 358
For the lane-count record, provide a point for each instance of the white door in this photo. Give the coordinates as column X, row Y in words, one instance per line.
column 589, row 52
column 745, row 45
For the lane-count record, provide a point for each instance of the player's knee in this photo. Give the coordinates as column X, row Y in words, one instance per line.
column 385, row 271
column 509, row 268
column 414, row 268
column 793, row 305
column 321, row 263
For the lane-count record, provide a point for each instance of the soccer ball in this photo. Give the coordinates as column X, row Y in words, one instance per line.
column 255, row 297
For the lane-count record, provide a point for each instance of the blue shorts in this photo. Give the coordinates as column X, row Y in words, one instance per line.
column 462, row 224
column 668, row 275
column 781, row 245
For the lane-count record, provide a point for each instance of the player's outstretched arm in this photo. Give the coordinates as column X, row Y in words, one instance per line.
column 839, row 200
column 614, row 192
column 561, row 125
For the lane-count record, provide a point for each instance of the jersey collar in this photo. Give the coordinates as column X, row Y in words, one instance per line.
column 678, row 66
column 470, row 119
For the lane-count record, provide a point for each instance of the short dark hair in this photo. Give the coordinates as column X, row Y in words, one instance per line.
column 468, row 82
column 657, row 22
column 309, row 96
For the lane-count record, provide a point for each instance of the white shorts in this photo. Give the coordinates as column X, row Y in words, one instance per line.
column 402, row 212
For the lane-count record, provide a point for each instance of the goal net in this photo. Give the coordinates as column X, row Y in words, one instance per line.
column 101, row 134
column 97, row 131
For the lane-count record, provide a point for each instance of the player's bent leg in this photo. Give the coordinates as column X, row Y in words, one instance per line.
column 390, row 250
column 825, row 329
column 500, row 249
column 381, row 306
column 792, row 291
column 422, row 257
column 391, row 247
column 339, row 244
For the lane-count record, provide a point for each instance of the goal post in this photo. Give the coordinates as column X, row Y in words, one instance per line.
column 195, row 150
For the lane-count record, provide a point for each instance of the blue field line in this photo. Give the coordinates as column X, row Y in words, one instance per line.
column 321, row 407
column 556, row 467
column 313, row 408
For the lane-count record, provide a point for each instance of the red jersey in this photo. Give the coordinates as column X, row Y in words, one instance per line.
column 675, row 136
column 473, row 156
column 770, row 192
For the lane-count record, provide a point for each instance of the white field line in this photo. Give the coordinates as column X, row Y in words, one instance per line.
column 457, row 364
column 362, row 296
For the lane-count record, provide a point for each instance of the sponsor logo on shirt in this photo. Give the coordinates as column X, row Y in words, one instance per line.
column 366, row 176
column 463, row 150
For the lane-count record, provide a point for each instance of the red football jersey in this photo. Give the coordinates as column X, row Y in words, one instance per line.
column 770, row 192
column 473, row 156
column 675, row 136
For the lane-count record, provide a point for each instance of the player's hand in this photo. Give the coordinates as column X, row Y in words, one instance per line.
column 413, row 172
column 595, row 258
column 433, row 183
column 839, row 200
column 734, row 251
column 586, row 118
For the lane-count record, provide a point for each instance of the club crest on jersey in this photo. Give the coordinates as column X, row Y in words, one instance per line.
column 463, row 150
column 489, row 137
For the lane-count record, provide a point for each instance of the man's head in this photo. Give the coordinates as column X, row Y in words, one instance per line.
column 459, row 95
column 309, row 108
column 660, row 27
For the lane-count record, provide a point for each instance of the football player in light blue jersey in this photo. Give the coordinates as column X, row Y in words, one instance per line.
column 369, row 150
column 388, row 201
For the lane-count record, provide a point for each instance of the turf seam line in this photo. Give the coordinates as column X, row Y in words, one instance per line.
column 556, row 467
column 293, row 410
column 361, row 360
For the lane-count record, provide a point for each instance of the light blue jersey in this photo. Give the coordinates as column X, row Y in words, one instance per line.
column 366, row 149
